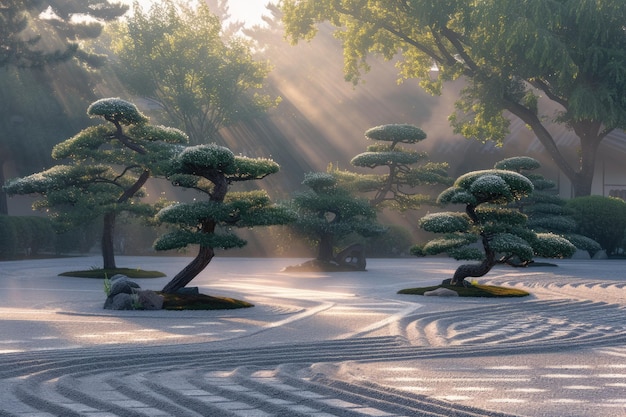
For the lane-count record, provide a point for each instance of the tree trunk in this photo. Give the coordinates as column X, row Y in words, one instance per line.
column 475, row 270
column 325, row 251
column 588, row 133
column 108, row 231
column 184, row 277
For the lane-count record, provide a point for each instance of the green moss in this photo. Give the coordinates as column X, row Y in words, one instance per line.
column 476, row 290
column 201, row 302
column 102, row 273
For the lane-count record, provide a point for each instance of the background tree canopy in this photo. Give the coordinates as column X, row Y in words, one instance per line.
column 542, row 61
column 175, row 55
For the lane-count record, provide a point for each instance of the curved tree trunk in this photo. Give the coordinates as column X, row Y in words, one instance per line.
column 108, row 231
column 475, row 270
column 184, row 277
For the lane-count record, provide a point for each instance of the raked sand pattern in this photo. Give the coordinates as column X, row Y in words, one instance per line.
column 318, row 344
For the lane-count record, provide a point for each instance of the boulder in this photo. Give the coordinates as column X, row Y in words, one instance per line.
column 150, row 300
column 352, row 257
column 441, row 292
column 121, row 301
column 123, row 285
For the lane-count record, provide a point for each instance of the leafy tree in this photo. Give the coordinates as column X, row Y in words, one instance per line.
column 37, row 40
column 211, row 169
column 396, row 188
column 510, row 53
column 328, row 212
column 501, row 232
column 546, row 211
column 174, row 54
column 109, row 165
column 602, row 219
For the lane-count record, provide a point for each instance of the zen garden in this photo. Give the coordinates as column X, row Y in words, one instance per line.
column 351, row 208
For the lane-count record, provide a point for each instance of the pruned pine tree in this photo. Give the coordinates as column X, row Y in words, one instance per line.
column 328, row 212
column 108, row 165
column 405, row 169
column 547, row 212
column 210, row 170
column 501, row 232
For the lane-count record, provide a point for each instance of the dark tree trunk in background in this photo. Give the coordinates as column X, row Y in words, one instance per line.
column 4, row 206
column 325, row 250
column 108, row 231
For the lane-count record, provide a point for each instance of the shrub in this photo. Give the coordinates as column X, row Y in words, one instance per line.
column 602, row 219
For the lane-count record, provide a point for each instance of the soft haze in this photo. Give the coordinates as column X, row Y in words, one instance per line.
column 249, row 11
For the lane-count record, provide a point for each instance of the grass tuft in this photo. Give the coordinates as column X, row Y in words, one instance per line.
column 475, row 290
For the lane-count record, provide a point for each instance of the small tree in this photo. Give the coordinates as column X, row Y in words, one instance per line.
column 397, row 187
column 211, row 169
column 328, row 212
column 502, row 232
column 546, row 211
column 109, row 166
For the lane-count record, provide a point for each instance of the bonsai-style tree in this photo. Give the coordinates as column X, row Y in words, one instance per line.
column 547, row 212
column 501, row 231
column 328, row 212
column 397, row 187
column 211, row 169
column 109, row 165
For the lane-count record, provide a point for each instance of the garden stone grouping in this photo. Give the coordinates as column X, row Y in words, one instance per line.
column 125, row 294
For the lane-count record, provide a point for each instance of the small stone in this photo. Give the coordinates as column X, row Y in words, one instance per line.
column 441, row 292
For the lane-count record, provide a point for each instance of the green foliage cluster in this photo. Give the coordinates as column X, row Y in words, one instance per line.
column 602, row 219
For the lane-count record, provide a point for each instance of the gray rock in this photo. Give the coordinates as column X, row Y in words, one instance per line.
column 441, row 292
column 123, row 286
column 150, row 300
column 188, row 291
column 120, row 301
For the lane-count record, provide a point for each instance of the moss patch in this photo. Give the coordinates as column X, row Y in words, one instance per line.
column 102, row 273
column 476, row 290
column 201, row 302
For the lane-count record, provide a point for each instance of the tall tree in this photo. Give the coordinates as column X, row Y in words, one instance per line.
column 175, row 55
column 110, row 163
column 543, row 61
column 211, row 169
column 37, row 40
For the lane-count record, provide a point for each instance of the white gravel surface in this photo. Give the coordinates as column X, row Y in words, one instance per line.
column 315, row 344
